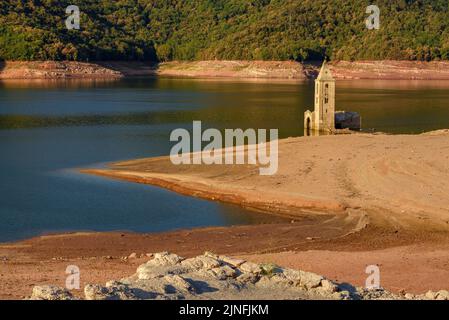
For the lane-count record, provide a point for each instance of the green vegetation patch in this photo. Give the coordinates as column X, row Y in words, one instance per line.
column 166, row 30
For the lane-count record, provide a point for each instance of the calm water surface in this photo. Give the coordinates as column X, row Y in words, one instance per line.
column 50, row 128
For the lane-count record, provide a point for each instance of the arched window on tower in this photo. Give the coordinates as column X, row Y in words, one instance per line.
column 326, row 93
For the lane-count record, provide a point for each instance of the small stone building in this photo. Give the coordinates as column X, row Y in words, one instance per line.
column 324, row 118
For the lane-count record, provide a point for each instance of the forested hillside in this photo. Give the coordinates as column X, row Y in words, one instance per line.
column 223, row 29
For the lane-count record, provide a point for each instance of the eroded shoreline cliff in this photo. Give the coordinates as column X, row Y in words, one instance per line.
column 271, row 70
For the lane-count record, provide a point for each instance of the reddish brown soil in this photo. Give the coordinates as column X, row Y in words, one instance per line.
column 421, row 257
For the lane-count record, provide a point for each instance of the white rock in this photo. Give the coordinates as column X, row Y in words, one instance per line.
column 150, row 271
column 277, row 280
column 232, row 261
column 342, row 295
column 179, row 283
column 310, row 280
column 293, row 275
column 431, row 295
column 409, row 296
column 113, row 291
column 223, row 272
column 165, row 259
column 246, row 278
column 250, row 267
column 442, row 295
column 168, row 277
column 95, row 292
column 201, row 262
column 211, row 255
column 51, row 293
column 328, row 286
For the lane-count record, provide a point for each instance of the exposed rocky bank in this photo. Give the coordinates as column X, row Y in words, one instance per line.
column 170, row 277
column 281, row 70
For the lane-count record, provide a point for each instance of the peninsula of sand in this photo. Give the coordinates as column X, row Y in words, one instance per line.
column 390, row 181
column 273, row 70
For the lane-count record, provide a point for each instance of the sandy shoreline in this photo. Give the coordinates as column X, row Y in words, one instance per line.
column 268, row 70
column 359, row 178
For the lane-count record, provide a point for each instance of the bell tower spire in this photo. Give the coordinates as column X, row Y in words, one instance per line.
column 323, row 117
column 325, row 99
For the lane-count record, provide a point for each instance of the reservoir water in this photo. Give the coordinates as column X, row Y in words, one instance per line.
column 49, row 129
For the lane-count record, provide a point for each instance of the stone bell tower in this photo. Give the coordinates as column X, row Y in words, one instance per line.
column 323, row 118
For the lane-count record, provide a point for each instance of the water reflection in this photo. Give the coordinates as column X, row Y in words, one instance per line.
column 390, row 106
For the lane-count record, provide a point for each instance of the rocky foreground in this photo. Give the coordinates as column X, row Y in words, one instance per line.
column 170, row 277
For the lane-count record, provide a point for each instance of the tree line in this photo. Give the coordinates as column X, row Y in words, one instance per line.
column 164, row 30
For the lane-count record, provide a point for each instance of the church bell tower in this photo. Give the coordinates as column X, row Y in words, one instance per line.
column 323, row 117
column 325, row 100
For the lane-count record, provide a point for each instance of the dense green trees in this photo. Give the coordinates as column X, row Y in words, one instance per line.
column 223, row 29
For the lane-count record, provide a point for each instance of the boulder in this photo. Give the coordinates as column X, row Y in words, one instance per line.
column 112, row 291
column 250, row 267
column 293, row 275
column 377, row 294
column 150, row 271
column 270, row 269
column 51, row 293
column 328, row 286
column 248, row 278
column 442, row 295
column 201, row 262
column 165, row 259
column 178, row 284
column 223, row 272
column 275, row 280
column 341, row 295
column 430, row 295
column 232, row 261
column 310, row 280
